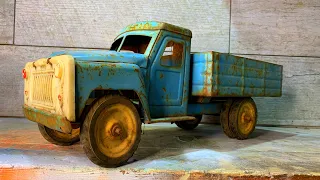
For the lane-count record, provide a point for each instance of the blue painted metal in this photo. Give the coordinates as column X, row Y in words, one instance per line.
column 153, row 25
column 209, row 108
column 169, row 86
column 108, row 76
column 166, row 91
column 106, row 56
column 224, row 75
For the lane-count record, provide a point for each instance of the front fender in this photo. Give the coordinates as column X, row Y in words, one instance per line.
column 110, row 76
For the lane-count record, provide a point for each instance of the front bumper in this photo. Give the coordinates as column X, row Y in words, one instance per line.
column 53, row 121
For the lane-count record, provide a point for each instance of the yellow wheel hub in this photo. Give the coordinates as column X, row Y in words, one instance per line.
column 247, row 118
column 115, row 130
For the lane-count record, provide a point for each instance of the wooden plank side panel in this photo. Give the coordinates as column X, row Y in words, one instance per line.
column 275, row 27
column 300, row 101
column 13, row 59
column 6, row 21
column 95, row 24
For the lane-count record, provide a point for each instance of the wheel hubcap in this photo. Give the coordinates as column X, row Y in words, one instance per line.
column 247, row 118
column 115, row 130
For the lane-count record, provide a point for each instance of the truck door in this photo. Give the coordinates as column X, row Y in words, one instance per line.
column 167, row 76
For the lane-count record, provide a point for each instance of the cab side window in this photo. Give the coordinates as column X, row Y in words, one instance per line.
column 172, row 55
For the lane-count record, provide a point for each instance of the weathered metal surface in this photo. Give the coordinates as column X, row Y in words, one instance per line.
column 108, row 76
column 224, row 75
column 169, row 85
column 154, row 25
column 173, row 119
column 158, row 70
column 56, row 122
column 49, row 85
column 209, row 108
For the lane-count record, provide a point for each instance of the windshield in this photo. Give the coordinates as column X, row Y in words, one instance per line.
column 132, row 43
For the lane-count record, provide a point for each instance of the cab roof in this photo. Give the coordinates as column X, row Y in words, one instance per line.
column 155, row 25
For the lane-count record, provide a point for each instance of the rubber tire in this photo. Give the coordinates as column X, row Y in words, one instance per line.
column 86, row 136
column 189, row 125
column 224, row 119
column 51, row 136
column 234, row 120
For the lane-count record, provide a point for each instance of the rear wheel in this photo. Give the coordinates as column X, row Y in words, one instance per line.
column 111, row 131
column 224, row 119
column 59, row 138
column 243, row 118
column 189, row 125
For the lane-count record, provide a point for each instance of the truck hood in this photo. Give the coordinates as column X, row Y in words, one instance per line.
column 105, row 56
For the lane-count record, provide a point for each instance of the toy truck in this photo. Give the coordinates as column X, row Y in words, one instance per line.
column 102, row 97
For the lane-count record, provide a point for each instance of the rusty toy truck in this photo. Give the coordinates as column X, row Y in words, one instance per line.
column 102, row 97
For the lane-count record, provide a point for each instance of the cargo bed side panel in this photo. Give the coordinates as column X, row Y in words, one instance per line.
column 224, row 75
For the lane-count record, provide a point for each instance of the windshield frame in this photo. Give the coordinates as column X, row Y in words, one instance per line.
column 152, row 33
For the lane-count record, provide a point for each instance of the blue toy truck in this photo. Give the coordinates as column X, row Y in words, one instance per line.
column 149, row 75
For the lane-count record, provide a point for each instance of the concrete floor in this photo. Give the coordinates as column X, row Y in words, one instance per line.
column 167, row 152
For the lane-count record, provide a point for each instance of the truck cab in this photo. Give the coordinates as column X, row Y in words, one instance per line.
column 149, row 75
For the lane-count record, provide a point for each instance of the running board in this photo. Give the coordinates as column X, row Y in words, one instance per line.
column 172, row 119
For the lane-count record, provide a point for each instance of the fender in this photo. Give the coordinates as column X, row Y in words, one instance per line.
column 92, row 76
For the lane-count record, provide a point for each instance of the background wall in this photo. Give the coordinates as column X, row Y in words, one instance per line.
column 278, row 31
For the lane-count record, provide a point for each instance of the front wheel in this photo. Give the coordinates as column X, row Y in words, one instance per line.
column 59, row 138
column 111, row 131
column 189, row 125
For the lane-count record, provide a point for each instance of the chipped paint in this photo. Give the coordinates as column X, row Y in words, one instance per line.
column 48, row 119
column 154, row 25
column 118, row 76
column 223, row 75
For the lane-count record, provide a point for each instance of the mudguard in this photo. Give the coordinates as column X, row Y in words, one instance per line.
column 92, row 76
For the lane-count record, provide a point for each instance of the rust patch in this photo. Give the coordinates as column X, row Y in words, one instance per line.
column 167, row 98
column 99, row 87
column 52, row 121
column 164, row 89
column 79, row 67
column 161, row 75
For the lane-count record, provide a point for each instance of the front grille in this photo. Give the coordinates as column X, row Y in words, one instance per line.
column 42, row 89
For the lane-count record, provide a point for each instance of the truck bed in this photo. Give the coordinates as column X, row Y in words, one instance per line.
column 223, row 75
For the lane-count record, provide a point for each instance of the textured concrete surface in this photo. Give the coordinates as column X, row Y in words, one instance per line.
column 275, row 27
column 166, row 152
column 6, row 21
column 87, row 24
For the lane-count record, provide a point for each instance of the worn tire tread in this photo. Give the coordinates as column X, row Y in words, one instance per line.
column 224, row 119
column 233, row 117
column 44, row 131
column 85, row 135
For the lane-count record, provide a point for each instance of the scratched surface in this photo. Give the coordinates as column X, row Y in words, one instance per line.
column 95, row 24
column 6, row 21
column 275, row 27
column 165, row 151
